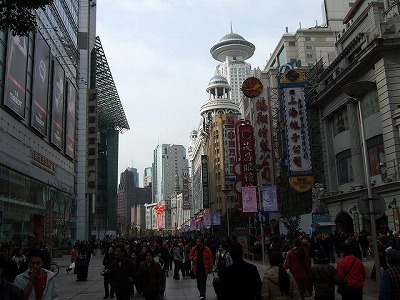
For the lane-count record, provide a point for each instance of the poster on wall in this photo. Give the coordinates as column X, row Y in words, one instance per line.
column 58, row 106
column 40, row 85
column 16, row 68
column 70, row 124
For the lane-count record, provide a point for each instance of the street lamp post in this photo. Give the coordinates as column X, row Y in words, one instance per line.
column 356, row 91
column 226, row 192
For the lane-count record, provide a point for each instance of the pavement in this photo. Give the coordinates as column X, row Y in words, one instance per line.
column 70, row 288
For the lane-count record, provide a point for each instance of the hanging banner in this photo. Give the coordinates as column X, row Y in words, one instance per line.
column 207, row 219
column 216, row 218
column 249, row 196
column 269, row 198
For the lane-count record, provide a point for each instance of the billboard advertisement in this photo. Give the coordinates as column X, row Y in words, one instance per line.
column 16, row 68
column 58, row 106
column 40, row 85
column 70, row 124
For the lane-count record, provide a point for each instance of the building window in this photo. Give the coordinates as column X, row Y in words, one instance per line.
column 309, row 47
column 292, row 44
column 376, row 155
column 344, row 167
column 340, row 121
column 309, row 56
column 307, row 38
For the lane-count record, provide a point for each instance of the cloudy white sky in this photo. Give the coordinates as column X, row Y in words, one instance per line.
column 159, row 55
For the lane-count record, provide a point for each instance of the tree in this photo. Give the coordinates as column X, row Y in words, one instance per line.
column 19, row 15
column 291, row 220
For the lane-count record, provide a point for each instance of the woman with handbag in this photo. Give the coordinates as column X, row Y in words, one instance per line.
column 351, row 271
column 109, row 257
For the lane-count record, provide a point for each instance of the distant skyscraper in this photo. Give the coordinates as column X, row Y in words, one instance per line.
column 147, row 176
column 232, row 50
column 135, row 176
column 169, row 160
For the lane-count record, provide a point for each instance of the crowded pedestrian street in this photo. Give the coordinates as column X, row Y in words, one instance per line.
column 70, row 288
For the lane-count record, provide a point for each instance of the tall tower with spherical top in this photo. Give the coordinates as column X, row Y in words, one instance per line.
column 232, row 50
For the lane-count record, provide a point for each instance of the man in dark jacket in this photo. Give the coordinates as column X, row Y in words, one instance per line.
column 152, row 278
column 8, row 291
column 240, row 280
column 122, row 274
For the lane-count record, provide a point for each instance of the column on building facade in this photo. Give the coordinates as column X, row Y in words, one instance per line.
column 330, row 155
column 357, row 159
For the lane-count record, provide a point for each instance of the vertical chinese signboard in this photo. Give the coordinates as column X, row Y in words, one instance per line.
column 185, row 192
column 92, row 126
column 296, row 128
column 245, row 154
column 263, row 136
column 229, row 148
column 204, row 181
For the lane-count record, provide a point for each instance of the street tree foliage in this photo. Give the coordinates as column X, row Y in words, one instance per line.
column 291, row 220
column 19, row 15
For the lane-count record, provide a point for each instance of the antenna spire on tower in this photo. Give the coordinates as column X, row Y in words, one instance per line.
column 231, row 27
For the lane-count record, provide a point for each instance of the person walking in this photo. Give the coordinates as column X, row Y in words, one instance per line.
column 299, row 264
column 390, row 280
column 178, row 261
column 202, row 265
column 74, row 258
column 278, row 283
column 323, row 278
column 121, row 274
column 222, row 260
column 37, row 282
column 351, row 269
column 241, row 279
column 108, row 259
column 151, row 277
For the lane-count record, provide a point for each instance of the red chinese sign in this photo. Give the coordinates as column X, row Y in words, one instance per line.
column 159, row 209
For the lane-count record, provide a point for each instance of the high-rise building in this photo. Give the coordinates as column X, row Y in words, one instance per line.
column 147, row 176
column 169, row 160
column 232, row 50
column 57, row 139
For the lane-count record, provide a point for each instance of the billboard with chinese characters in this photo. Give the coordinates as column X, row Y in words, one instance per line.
column 263, row 135
column 204, row 181
column 229, row 148
column 92, row 147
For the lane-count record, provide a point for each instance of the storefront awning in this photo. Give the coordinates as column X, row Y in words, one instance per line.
column 324, row 224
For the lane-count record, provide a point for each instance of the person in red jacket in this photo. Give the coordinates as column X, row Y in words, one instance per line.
column 203, row 263
column 299, row 264
column 351, row 269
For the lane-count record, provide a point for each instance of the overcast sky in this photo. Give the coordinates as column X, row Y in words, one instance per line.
column 159, row 55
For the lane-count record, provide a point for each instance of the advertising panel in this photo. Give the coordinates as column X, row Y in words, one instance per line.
column 204, row 181
column 40, row 85
column 249, row 198
column 16, row 69
column 269, row 198
column 264, row 136
column 58, row 106
column 92, row 147
column 70, row 124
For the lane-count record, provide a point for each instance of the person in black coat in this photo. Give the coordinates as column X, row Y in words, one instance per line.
column 7, row 289
column 122, row 274
column 240, row 280
column 10, row 267
column 107, row 261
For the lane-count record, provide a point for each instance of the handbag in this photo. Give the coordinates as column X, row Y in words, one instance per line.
column 105, row 272
column 343, row 282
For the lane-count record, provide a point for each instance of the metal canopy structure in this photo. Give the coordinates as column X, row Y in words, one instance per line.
column 110, row 111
